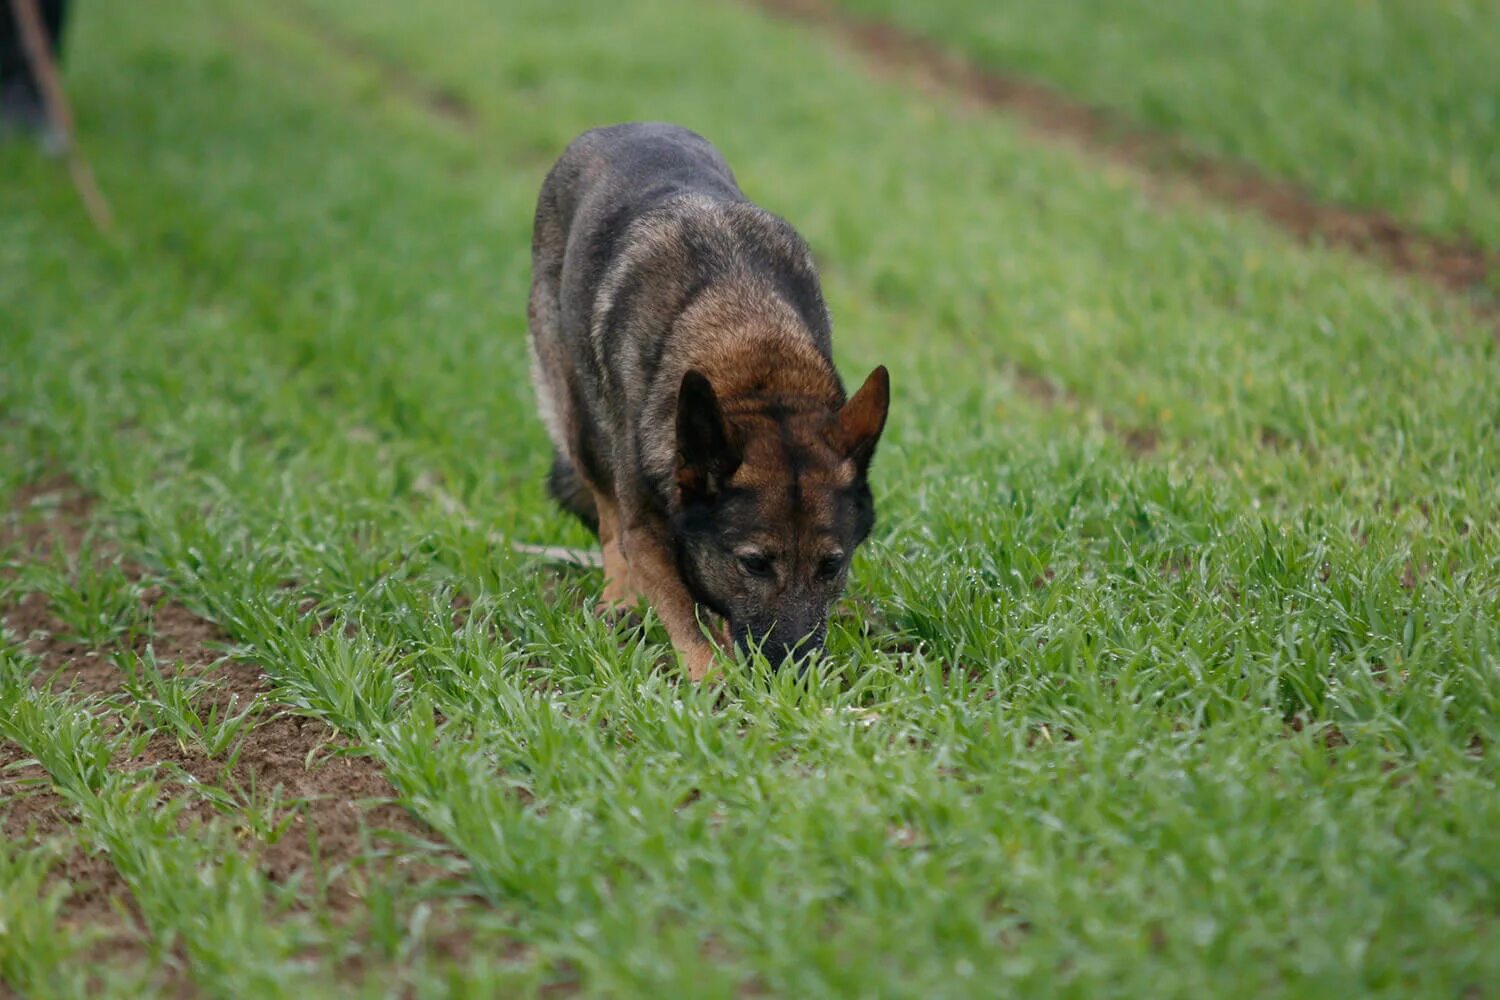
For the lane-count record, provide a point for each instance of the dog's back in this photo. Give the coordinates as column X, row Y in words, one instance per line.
column 636, row 225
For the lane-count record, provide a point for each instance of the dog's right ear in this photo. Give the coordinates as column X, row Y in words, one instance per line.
column 706, row 455
column 863, row 418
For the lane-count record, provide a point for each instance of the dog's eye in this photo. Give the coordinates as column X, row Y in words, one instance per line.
column 756, row 563
column 830, row 566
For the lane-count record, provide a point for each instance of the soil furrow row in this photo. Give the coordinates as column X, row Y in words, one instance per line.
column 1168, row 165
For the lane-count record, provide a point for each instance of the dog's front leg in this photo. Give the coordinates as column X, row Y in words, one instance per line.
column 654, row 571
column 621, row 592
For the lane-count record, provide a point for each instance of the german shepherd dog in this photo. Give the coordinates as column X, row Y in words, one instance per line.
column 682, row 364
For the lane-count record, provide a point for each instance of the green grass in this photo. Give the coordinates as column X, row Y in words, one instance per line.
column 1218, row 719
column 38, row 955
column 1386, row 104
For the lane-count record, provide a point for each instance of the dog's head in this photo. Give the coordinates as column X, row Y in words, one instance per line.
column 771, row 505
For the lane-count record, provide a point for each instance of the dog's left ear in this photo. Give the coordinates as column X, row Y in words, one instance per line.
column 706, row 454
column 861, row 420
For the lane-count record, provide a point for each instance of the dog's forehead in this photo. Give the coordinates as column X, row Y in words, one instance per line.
column 789, row 461
column 796, row 482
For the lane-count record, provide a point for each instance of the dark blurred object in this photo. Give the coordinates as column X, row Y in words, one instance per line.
column 32, row 97
column 22, row 108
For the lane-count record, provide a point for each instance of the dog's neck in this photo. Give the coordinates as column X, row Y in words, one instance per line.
column 758, row 354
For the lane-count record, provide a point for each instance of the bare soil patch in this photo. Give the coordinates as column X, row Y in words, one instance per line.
column 98, row 900
column 341, row 798
column 344, row 804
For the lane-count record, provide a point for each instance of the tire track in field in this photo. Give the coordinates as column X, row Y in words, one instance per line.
column 338, row 797
column 96, row 897
column 1167, row 164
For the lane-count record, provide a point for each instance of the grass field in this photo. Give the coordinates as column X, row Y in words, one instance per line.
column 1172, row 669
column 1384, row 104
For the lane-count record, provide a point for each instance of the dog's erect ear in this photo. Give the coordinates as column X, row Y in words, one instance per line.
column 863, row 418
column 706, row 455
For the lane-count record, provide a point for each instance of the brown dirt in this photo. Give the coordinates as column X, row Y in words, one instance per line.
column 1456, row 265
column 51, row 511
column 55, row 514
column 98, row 900
column 173, row 633
column 340, row 797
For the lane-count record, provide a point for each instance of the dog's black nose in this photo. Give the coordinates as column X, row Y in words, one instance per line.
column 780, row 644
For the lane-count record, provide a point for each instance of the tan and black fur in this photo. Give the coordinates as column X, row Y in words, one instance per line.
column 682, row 364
